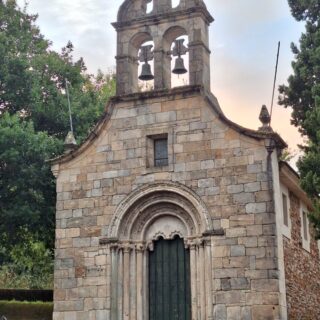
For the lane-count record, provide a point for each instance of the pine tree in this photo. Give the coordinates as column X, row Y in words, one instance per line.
column 303, row 95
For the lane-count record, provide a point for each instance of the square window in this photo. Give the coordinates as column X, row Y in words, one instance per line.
column 285, row 210
column 161, row 152
column 158, row 153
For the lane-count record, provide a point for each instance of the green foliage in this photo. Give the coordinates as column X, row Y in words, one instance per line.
column 34, row 121
column 33, row 78
column 288, row 154
column 15, row 310
column 303, row 95
column 305, row 10
column 30, row 266
column 27, row 188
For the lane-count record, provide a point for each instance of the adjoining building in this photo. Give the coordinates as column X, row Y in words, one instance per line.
column 169, row 210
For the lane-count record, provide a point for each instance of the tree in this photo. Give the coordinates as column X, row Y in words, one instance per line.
column 34, row 121
column 30, row 265
column 33, row 78
column 303, row 95
column 27, row 189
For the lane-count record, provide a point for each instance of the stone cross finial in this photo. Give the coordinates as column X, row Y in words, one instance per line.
column 179, row 48
column 265, row 119
column 146, row 54
column 70, row 143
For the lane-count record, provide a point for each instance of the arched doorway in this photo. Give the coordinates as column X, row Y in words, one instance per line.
column 153, row 223
column 169, row 281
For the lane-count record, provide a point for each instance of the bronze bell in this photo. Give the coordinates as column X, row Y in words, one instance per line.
column 146, row 73
column 179, row 67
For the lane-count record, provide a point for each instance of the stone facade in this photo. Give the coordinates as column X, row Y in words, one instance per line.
column 225, row 169
column 219, row 192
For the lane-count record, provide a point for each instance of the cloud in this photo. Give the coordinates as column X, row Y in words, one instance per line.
column 240, row 16
column 85, row 23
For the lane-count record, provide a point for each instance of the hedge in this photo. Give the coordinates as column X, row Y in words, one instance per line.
column 16, row 310
column 26, row 295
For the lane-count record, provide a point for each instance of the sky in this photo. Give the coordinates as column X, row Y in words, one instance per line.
column 243, row 41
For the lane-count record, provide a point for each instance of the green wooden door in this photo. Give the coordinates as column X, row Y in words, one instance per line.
column 169, row 281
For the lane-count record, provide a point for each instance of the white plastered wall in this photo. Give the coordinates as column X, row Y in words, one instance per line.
column 279, row 223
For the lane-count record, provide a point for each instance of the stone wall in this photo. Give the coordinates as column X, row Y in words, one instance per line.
column 226, row 169
column 302, row 269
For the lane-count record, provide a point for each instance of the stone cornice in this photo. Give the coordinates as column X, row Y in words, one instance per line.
column 177, row 15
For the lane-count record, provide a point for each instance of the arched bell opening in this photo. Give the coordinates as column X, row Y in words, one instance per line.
column 180, row 62
column 176, row 42
column 146, row 66
column 149, row 6
column 140, row 45
column 175, row 3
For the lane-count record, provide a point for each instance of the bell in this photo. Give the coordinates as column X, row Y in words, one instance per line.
column 179, row 67
column 146, row 73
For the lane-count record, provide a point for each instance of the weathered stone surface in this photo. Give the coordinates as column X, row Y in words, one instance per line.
column 265, row 312
column 238, row 250
column 235, row 273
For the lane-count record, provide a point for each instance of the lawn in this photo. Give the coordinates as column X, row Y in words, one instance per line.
column 15, row 310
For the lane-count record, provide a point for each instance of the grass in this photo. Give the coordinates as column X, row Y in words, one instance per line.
column 15, row 310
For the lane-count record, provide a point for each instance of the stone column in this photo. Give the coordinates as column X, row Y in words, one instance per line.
column 108, row 276
column 193, row 269
column 162, row 69
column 127, row 74
column 201, row 263
column 120, row 284
column 133, row 284
column 145, row 285
column 114, row 282
column 199, row 55
column 140, row 281
column 126, row 282
column 208, row 278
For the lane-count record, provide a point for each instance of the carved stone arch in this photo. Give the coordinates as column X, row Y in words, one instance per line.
column 132, row 49
column 170, row 197
column 158, row 210
column 136, row 41
column 171, row 34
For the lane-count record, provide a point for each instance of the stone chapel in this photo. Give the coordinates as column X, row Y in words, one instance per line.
column 169, row 210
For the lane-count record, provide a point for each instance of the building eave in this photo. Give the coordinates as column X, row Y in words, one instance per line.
column 153, row 19
column 291, row 179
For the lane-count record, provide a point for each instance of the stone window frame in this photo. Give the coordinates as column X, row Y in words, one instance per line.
column 305, row 242
column 151, row 135
column 286, row 230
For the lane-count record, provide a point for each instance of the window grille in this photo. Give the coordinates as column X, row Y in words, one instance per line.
column 161, row 152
